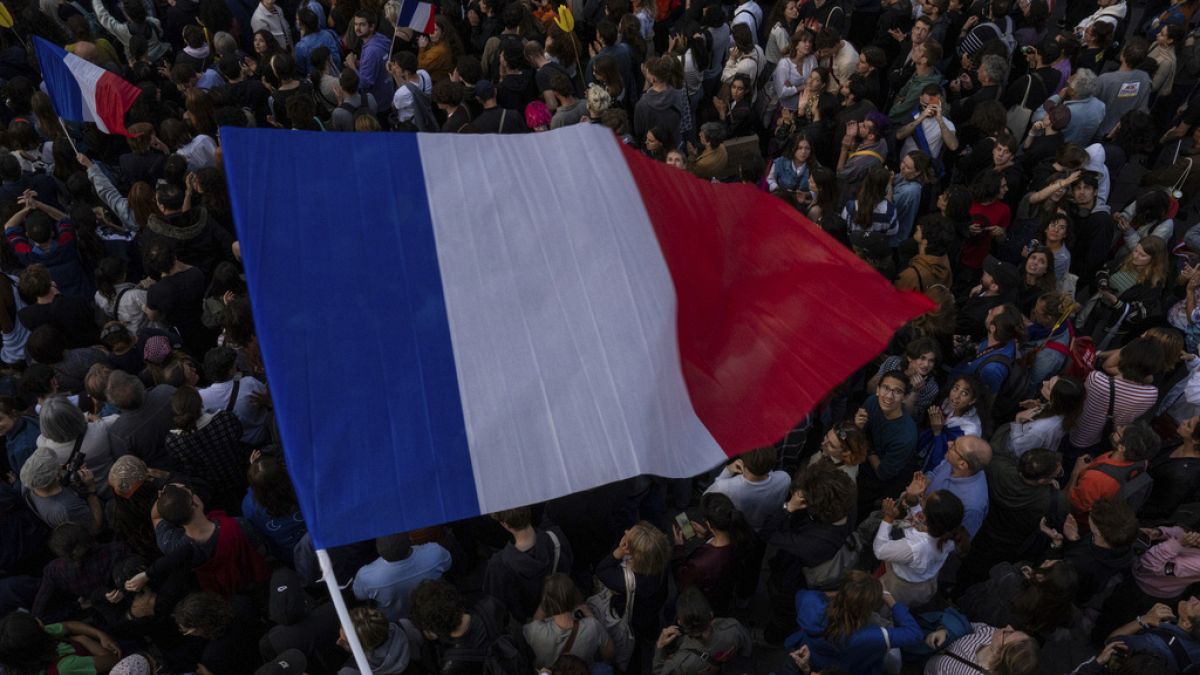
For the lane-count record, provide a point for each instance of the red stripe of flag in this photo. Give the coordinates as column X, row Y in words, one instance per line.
column 772, row 312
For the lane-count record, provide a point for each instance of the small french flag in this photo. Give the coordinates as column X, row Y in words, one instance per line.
column 416, row 15
column 82, row 91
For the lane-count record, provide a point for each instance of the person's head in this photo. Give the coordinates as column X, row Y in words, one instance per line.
column 124, row 390
column 721, row 515
column 969, row 455
column 46, row 344
column 649, row 549
column 992, row 69
column 1082, row 84
column 1170, row 35
column 560, row 595
column 1039, row 466
column 712, row 134
column 1004, row 149
column 916, row 166
column 828, row 42
column 11, row 410
column 1134, row 52
column 220, row 364
column 61, row 421
column 934, row 234
column 364, row 24
column 1148, row 261
column 370, row 625
column 178, row 505
column 1039, row 266
column 186, row 407
column 943, row 519
column 921, row 355
column 800, row 150
column 965, row 392
column 987, row 187
column 71, row 541
column 206, row 615
column 1171, row 339
column 676, row 159
column 845, row 444
column 829, row 493
column 26, row 647
column 437, row 608
column 892, row 389
column 693, row 614
column 271, row 486
column 759, row 463
column 851, row 607
column 743, row 38
column 1113, row 523
column 740, row 87
column 394, row 547
column 1005, row 323
column 514, row 520
column 1136, row 442
column 1057, row 228
column 1064, row 396
column 1140, row 360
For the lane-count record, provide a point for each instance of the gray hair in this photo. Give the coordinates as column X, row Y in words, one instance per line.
column 124, row 390
column 61, row 421
column 40, row 471
column 1084, row 83
column 995, row 67
column 225, row 44
column 714, row 132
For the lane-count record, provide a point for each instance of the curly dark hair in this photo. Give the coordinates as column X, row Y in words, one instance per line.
column 25, row 647
column 206, row 614
column 829, row 492
column 437, row 607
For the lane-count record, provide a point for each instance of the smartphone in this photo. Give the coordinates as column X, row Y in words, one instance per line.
column 685, row 526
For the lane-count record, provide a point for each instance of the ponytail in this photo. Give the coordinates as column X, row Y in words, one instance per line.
column 961, row 539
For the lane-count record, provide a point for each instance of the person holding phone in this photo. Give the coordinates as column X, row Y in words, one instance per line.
column 712, row 566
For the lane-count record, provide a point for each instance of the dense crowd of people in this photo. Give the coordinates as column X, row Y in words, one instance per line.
column 1013, row 487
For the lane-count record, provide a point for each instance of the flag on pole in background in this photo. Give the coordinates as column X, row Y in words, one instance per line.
column 82, row 91
column 458, row 324
column 416, row 15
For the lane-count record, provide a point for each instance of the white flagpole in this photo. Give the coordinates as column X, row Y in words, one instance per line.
column 339, row 603
column 70, row 140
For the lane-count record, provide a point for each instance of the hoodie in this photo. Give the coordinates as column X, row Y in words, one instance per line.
column 863, row 651
column 1014, row 510
column 924, row 271
column 658, row 108
column 197, row 240
column 515, row 577
column 389, row 658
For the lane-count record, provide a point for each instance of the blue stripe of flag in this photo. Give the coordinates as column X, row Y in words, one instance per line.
column 408, row 8
column 358, row 243
column 60, row 82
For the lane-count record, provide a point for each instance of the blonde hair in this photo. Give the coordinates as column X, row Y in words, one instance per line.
column 371, row 626
column 649, row 550
column 1156, row 272
column 1016, row 658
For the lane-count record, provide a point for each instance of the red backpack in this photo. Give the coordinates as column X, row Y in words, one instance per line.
column 1080, row 352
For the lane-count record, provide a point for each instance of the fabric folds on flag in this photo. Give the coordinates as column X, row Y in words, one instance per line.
column 416, row 15
column 82, row 91
column 458, row 324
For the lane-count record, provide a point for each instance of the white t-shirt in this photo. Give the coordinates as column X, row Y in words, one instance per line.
column 933, row 134
column 754, row 500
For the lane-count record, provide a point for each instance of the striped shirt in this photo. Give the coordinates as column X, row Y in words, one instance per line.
column 883, row 220
column 1132, row 401
column 965, row 647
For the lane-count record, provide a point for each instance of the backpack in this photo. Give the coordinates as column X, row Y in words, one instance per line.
column 1134, row 480
column 1012, row 391
column 1006, row 36
column 1080, row 353
column 504, row 655
column 827, row 576
column 617, row 626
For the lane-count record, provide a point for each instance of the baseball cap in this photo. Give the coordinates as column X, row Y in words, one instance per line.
column 288, row 602
column 1004, row 274
column 485, row 90
column 290, row 662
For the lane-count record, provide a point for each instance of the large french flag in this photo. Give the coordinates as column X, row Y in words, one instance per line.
column 82, row 91
column 457, row 324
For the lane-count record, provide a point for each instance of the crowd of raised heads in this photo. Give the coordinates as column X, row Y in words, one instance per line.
column 1012, row 487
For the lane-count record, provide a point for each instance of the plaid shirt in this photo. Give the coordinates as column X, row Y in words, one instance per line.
column 79, row 579
column 212, row 453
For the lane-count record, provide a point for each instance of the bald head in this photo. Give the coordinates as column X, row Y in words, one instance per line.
column 975, row 454
column 86, row 51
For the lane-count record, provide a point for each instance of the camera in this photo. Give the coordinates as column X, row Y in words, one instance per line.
column 70, row 473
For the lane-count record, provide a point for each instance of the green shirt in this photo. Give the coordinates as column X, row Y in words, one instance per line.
column 69, row 663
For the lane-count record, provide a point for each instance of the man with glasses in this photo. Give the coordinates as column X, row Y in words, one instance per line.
column 961, row 473
column 893, row 434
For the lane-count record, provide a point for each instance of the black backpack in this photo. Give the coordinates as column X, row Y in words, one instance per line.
column 1134, row 480
column 505, row 654
column 1012, row 391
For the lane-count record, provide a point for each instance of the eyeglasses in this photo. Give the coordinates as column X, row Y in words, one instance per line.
column 891, row 391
